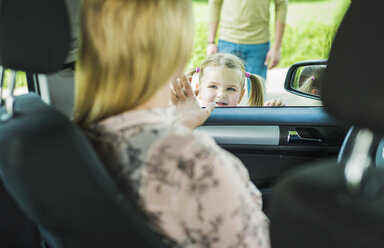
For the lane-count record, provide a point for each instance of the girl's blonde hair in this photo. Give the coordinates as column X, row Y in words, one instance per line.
column 231, row 61
column 128, row 50
column 310, row 78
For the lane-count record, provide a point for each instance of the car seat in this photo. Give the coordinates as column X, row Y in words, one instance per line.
column 16, row 230
column 57, row 88
column 46, row 164
column 331, row 204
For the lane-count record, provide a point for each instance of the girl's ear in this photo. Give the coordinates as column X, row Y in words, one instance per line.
column 241, row 95
column 314, row 92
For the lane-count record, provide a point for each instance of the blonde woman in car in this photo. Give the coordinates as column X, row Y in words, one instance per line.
column 193, row 192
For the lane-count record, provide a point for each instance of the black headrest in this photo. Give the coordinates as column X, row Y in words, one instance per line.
column 34, row 35
column 353, row 86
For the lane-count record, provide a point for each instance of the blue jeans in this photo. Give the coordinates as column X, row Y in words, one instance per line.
column 253, row 55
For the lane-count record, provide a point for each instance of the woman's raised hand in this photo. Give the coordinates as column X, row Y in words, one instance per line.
column 189, row 112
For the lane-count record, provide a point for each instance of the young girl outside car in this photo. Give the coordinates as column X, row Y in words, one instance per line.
column 221, row 79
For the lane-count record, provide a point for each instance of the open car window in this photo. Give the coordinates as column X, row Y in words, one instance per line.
column 20, row 85
column 309, row 30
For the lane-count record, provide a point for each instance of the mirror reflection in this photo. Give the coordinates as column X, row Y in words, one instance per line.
column 308, row 79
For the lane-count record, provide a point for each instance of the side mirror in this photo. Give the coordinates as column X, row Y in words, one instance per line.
column 305, row 78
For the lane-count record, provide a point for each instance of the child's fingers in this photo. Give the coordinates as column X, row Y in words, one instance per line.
column 270, row 103
column 274, row 103
column 279, row 103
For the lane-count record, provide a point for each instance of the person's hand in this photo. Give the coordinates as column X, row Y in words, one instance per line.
column 274, row 103
column 273, row 57
column 211, row 49
column 189, row 112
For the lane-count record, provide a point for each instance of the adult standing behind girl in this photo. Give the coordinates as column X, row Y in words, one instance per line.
column 245, row 31
column 192, row 191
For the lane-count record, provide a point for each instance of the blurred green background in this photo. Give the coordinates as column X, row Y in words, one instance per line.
column 309, row 31
column 21, row 80
column 310, row 28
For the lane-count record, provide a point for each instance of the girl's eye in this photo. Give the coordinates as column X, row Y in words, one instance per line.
column 212, row 86
column 231, row 89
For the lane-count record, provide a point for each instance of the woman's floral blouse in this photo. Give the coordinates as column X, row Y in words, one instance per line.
column 192, row 191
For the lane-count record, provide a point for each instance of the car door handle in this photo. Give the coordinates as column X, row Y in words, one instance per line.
column 295, row 138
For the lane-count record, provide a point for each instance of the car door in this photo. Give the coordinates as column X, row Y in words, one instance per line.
column 270, row 141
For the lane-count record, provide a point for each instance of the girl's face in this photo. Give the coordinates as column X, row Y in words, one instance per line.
column 221, row 86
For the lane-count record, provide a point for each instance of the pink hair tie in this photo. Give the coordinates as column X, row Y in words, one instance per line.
column 198, row 69
column 247, row 74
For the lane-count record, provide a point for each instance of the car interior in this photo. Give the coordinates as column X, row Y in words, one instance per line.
column 340, row 203
column 319, row 168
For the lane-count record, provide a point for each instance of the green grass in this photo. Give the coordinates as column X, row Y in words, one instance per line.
column 21, row 79
column 310, row 29
column 304, row 12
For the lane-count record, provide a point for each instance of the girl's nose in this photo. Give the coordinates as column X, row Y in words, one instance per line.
column 221, row 93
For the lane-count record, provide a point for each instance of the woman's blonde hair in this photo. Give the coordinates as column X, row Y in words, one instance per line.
column 231, row 61
column 128, row 50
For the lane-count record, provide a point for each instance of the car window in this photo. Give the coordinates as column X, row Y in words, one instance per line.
column 309, row 31
column 21, row 87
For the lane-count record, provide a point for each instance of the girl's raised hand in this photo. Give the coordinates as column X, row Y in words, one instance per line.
column 189, row 112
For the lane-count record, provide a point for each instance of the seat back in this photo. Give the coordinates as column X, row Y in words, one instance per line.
column 16, row 230
column 330, row 204
column 54, row 175
column 17, row 51
column 57, row 89
column 46, row 163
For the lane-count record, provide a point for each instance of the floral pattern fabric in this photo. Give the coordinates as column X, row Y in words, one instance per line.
column 192, row 191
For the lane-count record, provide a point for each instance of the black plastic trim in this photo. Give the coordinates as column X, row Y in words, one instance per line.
column 304, row 116
column 292, row 72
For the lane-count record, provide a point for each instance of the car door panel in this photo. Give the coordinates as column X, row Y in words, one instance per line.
column 245, row 135
column 265, row 139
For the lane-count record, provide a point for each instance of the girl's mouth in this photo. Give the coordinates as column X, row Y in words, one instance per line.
column 221, row 104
